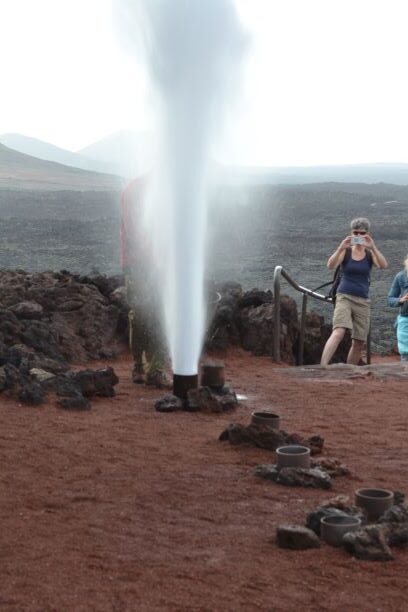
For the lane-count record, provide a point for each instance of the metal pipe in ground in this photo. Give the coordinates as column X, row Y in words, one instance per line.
column 184, row 383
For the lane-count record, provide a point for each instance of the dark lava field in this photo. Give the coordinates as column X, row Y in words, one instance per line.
column 251, row 230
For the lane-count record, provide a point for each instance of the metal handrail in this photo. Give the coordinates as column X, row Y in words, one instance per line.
column 280, row 271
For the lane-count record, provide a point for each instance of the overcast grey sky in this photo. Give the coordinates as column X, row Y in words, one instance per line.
column 325, row 80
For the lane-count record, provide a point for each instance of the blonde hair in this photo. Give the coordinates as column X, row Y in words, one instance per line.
column 406, row 264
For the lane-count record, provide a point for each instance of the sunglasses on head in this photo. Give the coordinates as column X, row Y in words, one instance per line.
column 359, row 233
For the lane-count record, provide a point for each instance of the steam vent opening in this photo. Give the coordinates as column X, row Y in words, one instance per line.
column 183, row 383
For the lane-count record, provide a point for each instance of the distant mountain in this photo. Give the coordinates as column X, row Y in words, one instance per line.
column 21, row 171
column 45, row 150
column 129, row 153
column 126, row 152
column 396, row 174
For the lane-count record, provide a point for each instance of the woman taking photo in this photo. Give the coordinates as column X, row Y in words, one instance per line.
column 398, row 298
column 355, row 255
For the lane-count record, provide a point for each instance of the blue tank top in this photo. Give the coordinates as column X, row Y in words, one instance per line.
column 355, row 276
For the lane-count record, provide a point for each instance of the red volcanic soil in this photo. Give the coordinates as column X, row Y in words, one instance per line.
column 123, row 508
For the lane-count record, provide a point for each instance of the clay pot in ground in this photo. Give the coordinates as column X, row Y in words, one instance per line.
column 270, row 419
column 374, row 501
column 212, row 375
column 293, row 456
column 333, row 528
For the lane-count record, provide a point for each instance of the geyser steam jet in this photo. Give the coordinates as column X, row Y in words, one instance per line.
column 192, row 48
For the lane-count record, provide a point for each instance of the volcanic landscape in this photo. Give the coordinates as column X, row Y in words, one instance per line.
column 117, row 506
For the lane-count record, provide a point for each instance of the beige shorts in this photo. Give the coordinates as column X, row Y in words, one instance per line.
column 353, row 313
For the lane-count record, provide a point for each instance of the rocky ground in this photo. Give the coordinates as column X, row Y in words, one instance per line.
column 109, row 504
column 124, row 508
column 50, row 320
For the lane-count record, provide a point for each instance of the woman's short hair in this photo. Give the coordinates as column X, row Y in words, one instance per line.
column 361, row 223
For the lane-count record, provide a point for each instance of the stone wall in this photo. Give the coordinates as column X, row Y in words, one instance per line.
column 247, row 319
column 74, row 319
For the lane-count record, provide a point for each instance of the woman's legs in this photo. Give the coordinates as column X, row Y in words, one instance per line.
column 355, row 351
column 402, row 337
column 331, row 345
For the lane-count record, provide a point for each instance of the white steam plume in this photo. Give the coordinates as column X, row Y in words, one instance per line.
column 192, row 49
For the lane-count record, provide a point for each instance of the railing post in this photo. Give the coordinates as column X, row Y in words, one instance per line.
column 276, row 326
column 302, row 330
column 280, row 271
column 369, row 346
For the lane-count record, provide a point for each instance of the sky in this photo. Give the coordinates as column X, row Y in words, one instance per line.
column 324, row 81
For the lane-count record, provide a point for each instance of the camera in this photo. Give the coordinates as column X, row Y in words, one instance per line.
column 357, row 240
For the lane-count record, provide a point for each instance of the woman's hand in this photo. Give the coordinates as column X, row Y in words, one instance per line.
column 338, row 255
column 378, row 258
column 403, row 298
column 369, row 242
column 345, row 243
